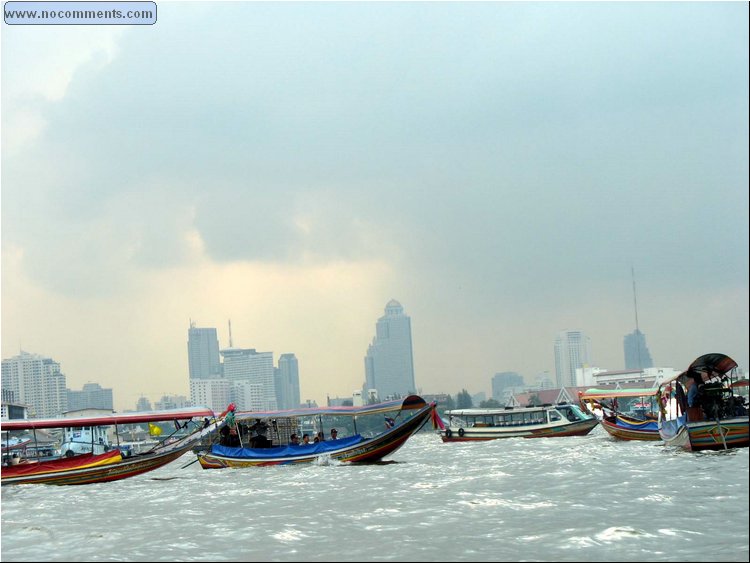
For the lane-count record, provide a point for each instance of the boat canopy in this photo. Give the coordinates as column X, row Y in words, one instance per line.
column 714, row 364
column 616, row 393
column 412, row 402
column 108, row 419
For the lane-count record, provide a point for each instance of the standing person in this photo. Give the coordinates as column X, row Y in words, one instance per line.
column 694, row 390
column 334, row 434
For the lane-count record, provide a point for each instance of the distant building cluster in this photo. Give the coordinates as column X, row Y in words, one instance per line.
column 242, row 376
column 35, row 386
column 505, row 384
column 37, row 382
column 92, row 396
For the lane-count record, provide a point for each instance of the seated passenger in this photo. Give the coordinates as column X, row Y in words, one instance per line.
column 294, row 440
column 334, row 434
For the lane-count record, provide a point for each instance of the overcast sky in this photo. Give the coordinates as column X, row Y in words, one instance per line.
column 498, row 168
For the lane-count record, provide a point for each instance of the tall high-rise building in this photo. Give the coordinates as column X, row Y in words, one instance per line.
column 637, row 355
column 572, row 351
column 250, row 375
column 286, row 378
column 389, row 363
column 203, row 353
column 37, row 382
column 92, row 396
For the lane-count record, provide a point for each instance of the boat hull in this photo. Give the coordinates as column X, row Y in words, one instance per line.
column 578, row 428
column 366, row 451
column 97, row 474
column 706, row 434
column 628, row 433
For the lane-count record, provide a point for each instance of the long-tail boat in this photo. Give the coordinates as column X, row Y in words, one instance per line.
column 375, row 431
column 716, row 418
column 607, row 404
column 111, row 465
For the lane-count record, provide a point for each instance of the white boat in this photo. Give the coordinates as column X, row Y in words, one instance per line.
column 468, row 425
column 85, row 440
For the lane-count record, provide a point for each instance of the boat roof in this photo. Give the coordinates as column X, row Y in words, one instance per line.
column 108, row 419
column 409, row 403
column 714, row 364
column 616, row 393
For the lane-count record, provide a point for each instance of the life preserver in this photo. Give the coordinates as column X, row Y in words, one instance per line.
column 461, row 432
column 448, row 433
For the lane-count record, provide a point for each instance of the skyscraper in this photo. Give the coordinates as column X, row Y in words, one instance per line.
column 203, row 353
column 389, row 363
column 637, row 355
column 572, row 350
column 250, row 375
column 287, row 382
column 37, row 382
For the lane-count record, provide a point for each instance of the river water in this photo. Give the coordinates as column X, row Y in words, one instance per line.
column 586, row 498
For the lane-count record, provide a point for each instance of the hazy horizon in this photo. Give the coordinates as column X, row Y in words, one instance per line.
column 498, row 168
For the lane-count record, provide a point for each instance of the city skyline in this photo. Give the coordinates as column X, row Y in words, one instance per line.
column 497, row 167
column 571, row 347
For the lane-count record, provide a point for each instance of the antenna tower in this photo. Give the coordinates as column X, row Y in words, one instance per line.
column 637, row 330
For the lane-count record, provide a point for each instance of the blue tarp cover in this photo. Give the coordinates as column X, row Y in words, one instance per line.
column 644, row 426
column 287, row 451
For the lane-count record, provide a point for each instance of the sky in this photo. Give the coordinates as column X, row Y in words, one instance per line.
column 506, row 171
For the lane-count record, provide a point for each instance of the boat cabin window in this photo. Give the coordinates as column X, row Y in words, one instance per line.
column 520, row 418
column 571, row 412
column 481, row 421
column 554, row 416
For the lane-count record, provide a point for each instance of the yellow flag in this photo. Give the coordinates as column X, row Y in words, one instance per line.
column 153, row 429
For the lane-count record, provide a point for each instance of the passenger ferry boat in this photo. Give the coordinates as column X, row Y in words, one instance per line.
column 543, row 421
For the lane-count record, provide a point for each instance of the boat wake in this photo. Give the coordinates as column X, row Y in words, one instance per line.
column 326, row 459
